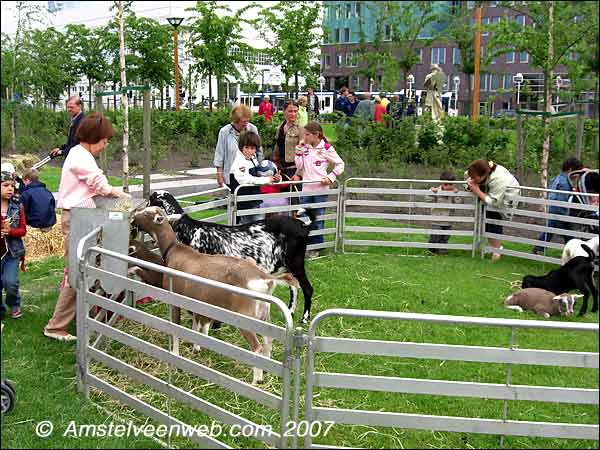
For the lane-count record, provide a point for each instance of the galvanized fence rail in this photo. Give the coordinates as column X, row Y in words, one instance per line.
column 87, row 352
column 506, row 392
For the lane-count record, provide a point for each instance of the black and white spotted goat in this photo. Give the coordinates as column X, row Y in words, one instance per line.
column 277, row 244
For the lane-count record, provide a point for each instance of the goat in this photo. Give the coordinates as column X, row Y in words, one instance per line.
column 543, row 302
column 233, row 271
column 574, row 248
column 576, row 274
column 139, row 250
column 277, row 243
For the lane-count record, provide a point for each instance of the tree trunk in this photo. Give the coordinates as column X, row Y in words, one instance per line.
column 548, row 73
column 125, row 156
column 90, row 94
column 13, row 130
column 296, row 84
column 115, row 99
column 210, row 91
column 162, row 98
column 468, row 105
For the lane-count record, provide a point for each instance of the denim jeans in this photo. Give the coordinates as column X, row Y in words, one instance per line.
column 10, row 281
column 319, row 224
column 546, row 236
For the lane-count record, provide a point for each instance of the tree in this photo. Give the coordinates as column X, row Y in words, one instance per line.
column 26, row 13
column 288, row 28
column 52, row 68
column 460, row 31
column 554, row 30
column 215, row 41
column 371, row 57
column 90, row 57
column 124, row 102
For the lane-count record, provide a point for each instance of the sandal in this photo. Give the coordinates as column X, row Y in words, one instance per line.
column 60, row 337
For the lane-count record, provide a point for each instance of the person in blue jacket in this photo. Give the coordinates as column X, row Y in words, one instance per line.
column 38, row 202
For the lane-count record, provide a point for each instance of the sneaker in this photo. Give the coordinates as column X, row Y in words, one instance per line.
column 60, row 336
column 15, row 312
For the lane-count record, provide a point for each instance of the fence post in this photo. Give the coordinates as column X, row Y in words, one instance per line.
column 508, row 366
column 520, row 150
column 339, row 224
column 579, row 133
column 147, row 141
column 82, row 330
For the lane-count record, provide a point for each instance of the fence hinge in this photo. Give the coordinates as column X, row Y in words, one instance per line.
column 300, row 340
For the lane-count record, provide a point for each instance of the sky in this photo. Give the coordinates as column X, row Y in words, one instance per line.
column 98, row 13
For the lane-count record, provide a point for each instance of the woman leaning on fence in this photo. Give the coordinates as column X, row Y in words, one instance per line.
column 81, row 181
column 497, row 188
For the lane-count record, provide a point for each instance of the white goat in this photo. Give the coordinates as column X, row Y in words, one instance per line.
column 573, row 248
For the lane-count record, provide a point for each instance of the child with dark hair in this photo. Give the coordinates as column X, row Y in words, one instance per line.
column 12, row 249
column 441, row 196
column 243, row 171
column 559, row 183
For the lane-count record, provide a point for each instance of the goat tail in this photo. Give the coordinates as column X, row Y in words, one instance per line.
column 589, row 251
column 312, row 217
column 287, row 279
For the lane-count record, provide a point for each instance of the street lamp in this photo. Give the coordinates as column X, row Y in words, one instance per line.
column 175, row 22
column 411, row 80
column 559, row 83
column 518, row 80
column 456, row 84
column 371, row 82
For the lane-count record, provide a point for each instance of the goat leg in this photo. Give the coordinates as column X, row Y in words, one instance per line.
column 257, row 373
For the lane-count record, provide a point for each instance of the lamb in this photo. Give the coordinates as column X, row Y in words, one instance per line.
column 543, row 302
column 574, row 248
column 576, row 274
column 233, row 271
column 277, row 243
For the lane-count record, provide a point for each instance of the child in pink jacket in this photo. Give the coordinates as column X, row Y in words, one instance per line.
column 313, row 159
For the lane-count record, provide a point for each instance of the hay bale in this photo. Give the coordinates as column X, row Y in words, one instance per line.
column 21, row 162
column 40, row 245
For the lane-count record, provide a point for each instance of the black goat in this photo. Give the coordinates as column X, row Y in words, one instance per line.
column 575, row 274
column 277, row 244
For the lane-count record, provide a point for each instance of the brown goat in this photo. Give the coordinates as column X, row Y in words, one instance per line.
column 233, row 271
column 544, row 303
column 139, row 250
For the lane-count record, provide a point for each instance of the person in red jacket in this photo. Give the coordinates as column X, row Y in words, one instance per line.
column 12, row 249
column 266, row 108
column 379, row 110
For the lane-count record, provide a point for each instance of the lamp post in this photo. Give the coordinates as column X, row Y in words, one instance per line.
column 175, row 22
column 456, row 84
column 518, row 80
column 559, row 82
column 371, row 82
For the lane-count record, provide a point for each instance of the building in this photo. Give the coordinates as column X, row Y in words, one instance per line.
column 346, row 23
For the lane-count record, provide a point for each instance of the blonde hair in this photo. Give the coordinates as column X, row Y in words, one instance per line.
column 302, row 100
column 240, row 111
column 377, row 99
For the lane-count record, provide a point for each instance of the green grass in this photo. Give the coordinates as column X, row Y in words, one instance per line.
column 403, row 281
column 51, row 177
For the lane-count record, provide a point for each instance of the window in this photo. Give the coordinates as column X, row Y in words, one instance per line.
column 493, row 82
column 350, row 61
column 523, row 57
column 378, row 79
column 493, row 4
column 496, row 19
column 387, row 32
column 485, row 21
column 510, row 57
column 520, row 20
column 419, row 55
column 348, row 10
column 483, row 82
column 346, row 34
column 336, row 34
column 355, row 83
column 357, row 9
column 507, row 82
column 327, row 60
column 456, row 59
column 470, row 5
column 339, row 60
column 438, row 55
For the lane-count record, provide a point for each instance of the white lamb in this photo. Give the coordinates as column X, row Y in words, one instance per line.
column 573, row 248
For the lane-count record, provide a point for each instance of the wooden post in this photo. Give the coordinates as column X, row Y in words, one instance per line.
column 147, row 141
column 103, row 156
column 579, row 135
column 477, row 58
column 520, row 149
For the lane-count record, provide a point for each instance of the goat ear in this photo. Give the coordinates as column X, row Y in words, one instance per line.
column 174, row 217
column 577, row 295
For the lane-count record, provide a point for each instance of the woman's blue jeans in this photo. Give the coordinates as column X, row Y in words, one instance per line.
column 319, row 224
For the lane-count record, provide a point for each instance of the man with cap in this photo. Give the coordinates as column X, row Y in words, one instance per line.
column 74, row 108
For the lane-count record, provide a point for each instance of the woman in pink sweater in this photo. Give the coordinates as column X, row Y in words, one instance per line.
column 312, row 160
column 81, row 180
